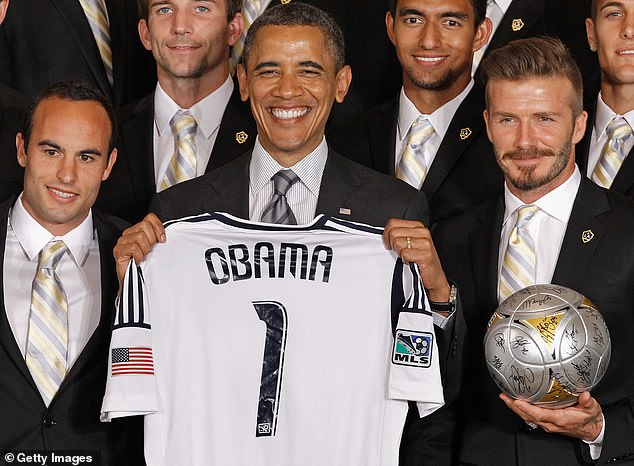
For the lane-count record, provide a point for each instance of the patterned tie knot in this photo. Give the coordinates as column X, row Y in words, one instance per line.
column 420, row 131
column 183, row 125
column 619, row 129
column 525, row 214
column 283, row 180
column 51, row 254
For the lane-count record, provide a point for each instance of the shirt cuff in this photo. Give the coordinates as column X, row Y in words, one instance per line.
column 596, row 444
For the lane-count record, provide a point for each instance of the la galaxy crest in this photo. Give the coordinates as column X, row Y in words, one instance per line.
column 412, row 348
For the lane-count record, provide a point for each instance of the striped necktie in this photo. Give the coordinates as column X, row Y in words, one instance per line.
column 412, row 167
column 97, row 16
column 613, row 154
column 183, row 163
column 47, row 337
column 518, row 264
column 251, row 9
column 278, row 210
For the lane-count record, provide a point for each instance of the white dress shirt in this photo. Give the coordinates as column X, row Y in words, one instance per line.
column 208, row 115
column 603, row 116
column 496, row 9
column 79, row 271
column 302, row 196
column 440, row 119
column 547, row 229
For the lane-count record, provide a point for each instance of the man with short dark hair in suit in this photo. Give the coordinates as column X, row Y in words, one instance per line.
column 190, row 41
column 59, row 284
column 574, row 234
column 605, row 152
column 454, row 166
column 291, row 72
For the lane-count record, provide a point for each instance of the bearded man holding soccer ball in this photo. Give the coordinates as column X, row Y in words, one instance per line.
column 573, row 233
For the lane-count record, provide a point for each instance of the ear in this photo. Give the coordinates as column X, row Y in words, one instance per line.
column 389, row 25
column 241, row 72
column 592, row 42
column 4, row 5
column 236, row 26
column 483, row 33
column 344, row 77
column 485, row 115
column 111, row 160
column 144, row 34
column 580, row 127
column 19, row 145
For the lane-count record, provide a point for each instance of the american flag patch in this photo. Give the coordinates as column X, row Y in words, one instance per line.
column 134, row 360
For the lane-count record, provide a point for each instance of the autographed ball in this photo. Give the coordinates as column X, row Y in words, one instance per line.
column 546, row 344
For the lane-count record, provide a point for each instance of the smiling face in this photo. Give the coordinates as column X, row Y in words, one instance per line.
column 65, row 162
column 291, row 81
column 533, row 129
column 435, row 41
column 190, row 39
column 611, row 34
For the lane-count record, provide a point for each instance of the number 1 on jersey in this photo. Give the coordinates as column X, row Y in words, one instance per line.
column 274, row 316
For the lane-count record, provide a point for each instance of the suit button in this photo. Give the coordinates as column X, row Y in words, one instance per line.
column 48, row 422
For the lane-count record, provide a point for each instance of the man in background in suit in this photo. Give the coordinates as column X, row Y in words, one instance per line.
column 59, row 283
column 431, row 135
column 292, row 71
column 12, row 107
column 43, row 42
column 194, row 120
column 604, row 152
column 573, row 233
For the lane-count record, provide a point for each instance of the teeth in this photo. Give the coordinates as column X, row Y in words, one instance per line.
column 287, row 114
column 429, row 59
column 627, row 52
column 62, row 194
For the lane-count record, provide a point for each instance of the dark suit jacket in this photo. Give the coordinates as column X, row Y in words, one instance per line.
column 71, row 422
column 131, row 185
column 602, row 269
column 464, row 172
column 624, row 181
column 561, row 18
column 45, row 41
column 12, row 108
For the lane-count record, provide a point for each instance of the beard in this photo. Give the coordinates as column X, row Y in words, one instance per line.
column 528, row 180
column 433, row 84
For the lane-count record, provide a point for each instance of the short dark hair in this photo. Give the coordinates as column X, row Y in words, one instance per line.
column 593, row 9
column 75, row 91
column 300, row 14
column 479, row 9
column 233, row 7
column 536, row 57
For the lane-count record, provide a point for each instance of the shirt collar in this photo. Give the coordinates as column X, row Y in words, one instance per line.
column 440, row 119
column 503, row 4
column 33, row 237
column 604, row 115
column 205, row 111
column 309, row 170
column 557, row 203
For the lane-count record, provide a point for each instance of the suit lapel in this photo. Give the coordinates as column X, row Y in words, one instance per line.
column 382, row 137
column 139, row 137
column 575, row 255
column 519, row 19
column 582, row 149
column 337, row 184
column 624, row 181
column 74, row 16
column 464, row 128
column 232, row 188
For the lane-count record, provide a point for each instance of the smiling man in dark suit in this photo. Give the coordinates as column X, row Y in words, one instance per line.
column 56, row 315
column 580, row 236
column 190, row 41
column 453, row 165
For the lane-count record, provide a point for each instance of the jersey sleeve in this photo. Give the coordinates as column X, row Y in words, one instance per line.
column 131, row 387
column 414, row 367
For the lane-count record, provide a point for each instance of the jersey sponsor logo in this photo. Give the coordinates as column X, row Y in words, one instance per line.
column 412, row 348
column 267, row 260
column 135, row 360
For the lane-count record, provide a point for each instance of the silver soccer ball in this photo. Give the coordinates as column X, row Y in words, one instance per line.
column 546, row 344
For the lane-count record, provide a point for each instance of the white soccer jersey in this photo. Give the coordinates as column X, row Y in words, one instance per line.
column 247, row 344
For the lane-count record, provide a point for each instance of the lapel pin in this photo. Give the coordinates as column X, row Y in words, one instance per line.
column 517, row 24
column 465, row 133
column 241, row 137
column 285, row 2
column 587, row 236
column 344, row 211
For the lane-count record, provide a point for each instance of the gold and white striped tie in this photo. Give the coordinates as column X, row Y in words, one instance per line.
column 518, row 264
column 619, row 131
column 250, row 12
column 412, row 167
column 47, row 337
column 183, row 163
column 97, row 15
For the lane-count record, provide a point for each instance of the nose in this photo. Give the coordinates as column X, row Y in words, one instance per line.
column 181, row 22
column 525, row 135
column 67, row 169
column 288, row 85
column 429, row 37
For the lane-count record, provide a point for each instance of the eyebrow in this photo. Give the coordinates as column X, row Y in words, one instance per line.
column 446, row 14
column 46, row 143
column 305, row 63
column 612, row 4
